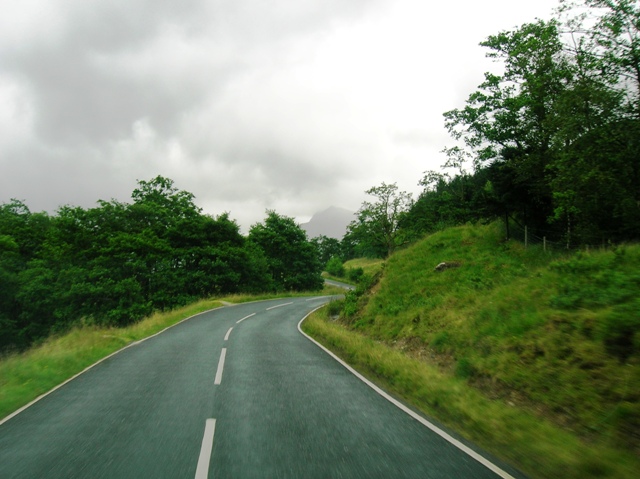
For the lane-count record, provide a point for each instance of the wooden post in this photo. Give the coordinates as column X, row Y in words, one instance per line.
column 506, row 222
column 526, row 237
column 544, row 243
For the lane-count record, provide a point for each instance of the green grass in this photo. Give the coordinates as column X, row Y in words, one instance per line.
column 556, row 335
column 371, row 266
column 535, row 445
column 25, row 376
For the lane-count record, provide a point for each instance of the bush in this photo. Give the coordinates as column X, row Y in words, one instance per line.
column 335, row 267
column 621, row 330
column 355, row 274
column 335, row 307
column 350, row 305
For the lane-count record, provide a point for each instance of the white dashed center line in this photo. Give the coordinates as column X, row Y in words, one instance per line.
column 226, row 336
column 223, row 355
column 279, row 306
column 202, row 471
column 246, row 317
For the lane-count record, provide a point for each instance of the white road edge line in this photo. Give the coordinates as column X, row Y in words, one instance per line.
column 223, row 355
column 246, row 317
column 467, row 450
column 226, row 336
column 42, row 396
column 279, row 306
column 202, row 471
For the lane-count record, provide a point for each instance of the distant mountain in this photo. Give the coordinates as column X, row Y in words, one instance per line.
column 331, row 222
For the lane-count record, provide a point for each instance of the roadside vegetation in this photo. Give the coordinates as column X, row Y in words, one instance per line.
column 26, row 375
column 353, row 270
column 535, row 355
column 526, row 340
column 112, row 265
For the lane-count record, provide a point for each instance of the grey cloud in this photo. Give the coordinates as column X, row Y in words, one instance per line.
column 81, row 95
column 246, row 103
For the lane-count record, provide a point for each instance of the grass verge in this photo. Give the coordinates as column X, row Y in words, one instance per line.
column 533, row 445
column 28, row 375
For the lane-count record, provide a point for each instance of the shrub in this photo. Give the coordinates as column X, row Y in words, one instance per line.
column 335, row 267
column 335, row 307
column 355, row 274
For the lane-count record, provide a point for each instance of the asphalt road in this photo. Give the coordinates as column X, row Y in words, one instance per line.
column 236, row 392
column 339, row 284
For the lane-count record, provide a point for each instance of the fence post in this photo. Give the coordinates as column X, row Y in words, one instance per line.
column 526, row 237
column 544, row 243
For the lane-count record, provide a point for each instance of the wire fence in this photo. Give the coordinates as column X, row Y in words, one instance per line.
column 551, row 241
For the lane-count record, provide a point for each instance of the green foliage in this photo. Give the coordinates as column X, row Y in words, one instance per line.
column 113, row 264
column 512, row 432
column 464, row 368
column 335, row 267
column 350, row 305
column 335, row 307
column 292, row 260
column 596, row 280
column 370, row 266
column 376, row 232
column 517, row 322
column 609, row 283
column 355, row 274
column 328, row 248
column 356, row 299
column 552, row 140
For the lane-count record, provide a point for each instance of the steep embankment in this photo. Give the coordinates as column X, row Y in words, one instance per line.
column 534, row 339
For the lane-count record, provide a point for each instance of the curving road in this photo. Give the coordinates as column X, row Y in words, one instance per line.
column 236, row 392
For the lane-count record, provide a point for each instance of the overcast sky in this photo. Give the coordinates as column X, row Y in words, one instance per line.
column 292, row 105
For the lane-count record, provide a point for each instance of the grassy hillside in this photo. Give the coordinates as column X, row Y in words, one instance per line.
column 553, row 338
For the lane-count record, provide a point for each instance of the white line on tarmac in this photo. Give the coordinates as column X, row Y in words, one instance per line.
column 218, row 378
column 447, row 437
column 246, row 317
column 279, row 306
column 202, row 471
column 226, row 336
column 42, row 396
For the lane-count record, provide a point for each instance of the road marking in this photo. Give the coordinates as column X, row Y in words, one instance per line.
column 226, row 336
column 246, row 317
column 279, row 306
column 44, row 395
column 319, row 298
column 447, row 437
column 218, row 378
column 202, row 471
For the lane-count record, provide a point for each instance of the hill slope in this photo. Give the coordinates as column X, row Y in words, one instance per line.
column 555, row 336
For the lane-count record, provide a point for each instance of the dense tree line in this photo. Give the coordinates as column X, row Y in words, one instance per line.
column 551, row 142
column 555, row 138
column 118, row 262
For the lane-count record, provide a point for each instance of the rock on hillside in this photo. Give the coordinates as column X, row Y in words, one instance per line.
column 331, row 222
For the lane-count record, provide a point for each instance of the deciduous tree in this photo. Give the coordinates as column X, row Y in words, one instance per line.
column 292, row 259
column 376, row 230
